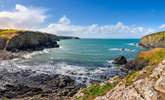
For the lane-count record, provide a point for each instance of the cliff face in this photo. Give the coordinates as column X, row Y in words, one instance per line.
column 155, row 40
column 144, row 81
column 16, row 40
column 148, row 84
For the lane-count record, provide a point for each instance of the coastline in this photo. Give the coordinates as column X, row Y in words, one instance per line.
column 25, row 83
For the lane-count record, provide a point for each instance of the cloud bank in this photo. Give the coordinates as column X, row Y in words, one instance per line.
column 22, row 17
column 32, row 18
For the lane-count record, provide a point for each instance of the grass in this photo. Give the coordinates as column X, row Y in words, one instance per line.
column 5, row 98
column 8, row 33
column 95, row 90
column 153, row 57
column 155, row 37
column 135, row 75
column 131, row 77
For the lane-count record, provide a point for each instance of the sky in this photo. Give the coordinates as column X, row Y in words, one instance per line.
column 85, row 18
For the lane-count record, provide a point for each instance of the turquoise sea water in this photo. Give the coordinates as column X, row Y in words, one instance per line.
column 91, row 52
column 84, row 59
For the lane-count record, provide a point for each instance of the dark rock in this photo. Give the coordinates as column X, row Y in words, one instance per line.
column 19, row 40
column 134, row 65
column 28, row 83
column 121, row 60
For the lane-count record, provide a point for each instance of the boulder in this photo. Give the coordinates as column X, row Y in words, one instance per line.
column 121, row 60
column 134, row 65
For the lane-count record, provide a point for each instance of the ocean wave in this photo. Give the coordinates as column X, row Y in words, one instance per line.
column 84, row 74
column 121, row 49
column 133, row 44
column 30, row 55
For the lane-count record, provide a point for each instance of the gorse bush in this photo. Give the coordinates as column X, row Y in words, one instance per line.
column 153, row 56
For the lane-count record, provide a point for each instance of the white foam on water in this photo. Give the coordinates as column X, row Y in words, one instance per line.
column 133, row 44
column 121, row 49
column 115, row 49
column 30, row 55
column 79, row 73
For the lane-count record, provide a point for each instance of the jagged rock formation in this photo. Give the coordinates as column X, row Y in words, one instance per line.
column 149, row 84
column 121, row 60
column 155, row 40
column 15, row 40
column 17, row 83
column 20, row 40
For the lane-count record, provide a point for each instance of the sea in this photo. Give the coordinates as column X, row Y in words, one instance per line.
column 85, row 60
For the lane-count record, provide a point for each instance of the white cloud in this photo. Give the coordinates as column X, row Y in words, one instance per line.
column 22, row 17
column 119, row 30
column 34, row 19
column 162, row 26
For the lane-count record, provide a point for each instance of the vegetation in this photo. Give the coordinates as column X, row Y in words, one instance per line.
column 131, row 77
column 153, row 56
column 154, row 37
column 5, row 98
column 8, row 33
column 95, row 90
column 154, row 40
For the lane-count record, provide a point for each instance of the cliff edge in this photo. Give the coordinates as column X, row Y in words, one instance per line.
column 154, row 40
column 21, row 40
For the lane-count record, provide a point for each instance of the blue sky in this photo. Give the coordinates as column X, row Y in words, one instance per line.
column 95, row 15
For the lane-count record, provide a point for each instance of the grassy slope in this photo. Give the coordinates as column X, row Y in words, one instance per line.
column 157, row 39
column 153, row 57
column 9, row 33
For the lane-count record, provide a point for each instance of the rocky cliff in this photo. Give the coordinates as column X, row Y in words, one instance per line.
column 148, row 84
column 154, row 40
column 16, row 40
column 145, row 79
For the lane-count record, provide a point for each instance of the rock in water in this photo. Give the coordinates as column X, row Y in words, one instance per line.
column 120, row 60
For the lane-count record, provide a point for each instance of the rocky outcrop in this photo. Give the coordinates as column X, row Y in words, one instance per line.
column 148, row 84
column 24, row 83
column 19, row 40
column 120, row 60
column 155, row 40
column 15, row 40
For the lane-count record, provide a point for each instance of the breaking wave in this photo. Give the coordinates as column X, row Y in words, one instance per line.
column 121, row 49
column 85, row 74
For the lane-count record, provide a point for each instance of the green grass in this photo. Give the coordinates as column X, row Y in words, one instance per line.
column 155, row 37
column 95, row 90
column 8, row 33
column 5, row 98
column 131, row 77
column 153, row 57
column 135, row 75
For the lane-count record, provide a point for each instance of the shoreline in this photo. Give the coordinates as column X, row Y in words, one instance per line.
column 15, row 82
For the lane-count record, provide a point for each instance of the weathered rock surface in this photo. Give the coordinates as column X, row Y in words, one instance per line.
column 148, row 86
column 19, row 40
column 133, row 65
column 155, row 40
column 15, row 40
column 120, row 60
column 24, row 83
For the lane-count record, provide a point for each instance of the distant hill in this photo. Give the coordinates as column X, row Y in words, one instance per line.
column 154, row 40
column 21, row 40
